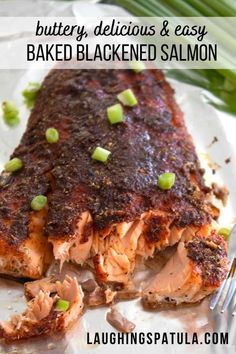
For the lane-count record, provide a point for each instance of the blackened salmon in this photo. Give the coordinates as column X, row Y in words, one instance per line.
column 108, row 213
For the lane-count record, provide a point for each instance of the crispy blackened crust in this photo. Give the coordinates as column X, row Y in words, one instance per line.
column 210, row 254
column 153, row 139
column 16, row 193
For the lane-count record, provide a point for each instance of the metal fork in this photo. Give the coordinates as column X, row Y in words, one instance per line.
column 230, row 279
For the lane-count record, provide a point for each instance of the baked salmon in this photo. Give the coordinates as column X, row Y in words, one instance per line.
column 107, row 215
column 123, row 193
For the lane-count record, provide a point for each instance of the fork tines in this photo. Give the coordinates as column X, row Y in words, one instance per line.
column 230, row 282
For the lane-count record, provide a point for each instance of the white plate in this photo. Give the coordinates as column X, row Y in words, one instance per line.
column 204, row 123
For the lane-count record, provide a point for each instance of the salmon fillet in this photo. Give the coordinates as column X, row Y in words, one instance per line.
column 107, row 216
column 121, row 197
column 87, row 197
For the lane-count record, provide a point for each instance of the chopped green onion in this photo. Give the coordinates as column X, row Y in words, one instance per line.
column 39, row 202
column 137, row 66
column 30, row 93
column 52, row 135
column 115, row 113
column 10, row 114
column 225, row 232
column 166, row 180
column 62, row 305
column 13, row 165
column 100, row 154
column 128, row 98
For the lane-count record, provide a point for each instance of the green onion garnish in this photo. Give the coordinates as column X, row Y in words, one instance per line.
column 30, row 93
column 166, row 180
column 13, row 165
column 10, row 114
column 128, row 98
column 62, row 305
column 115, row 113
column 229, row 85
column 137, row 66
column 52, row 135
column 100, row 154
column 211, row 80
column 225, row 232
column 39, row 202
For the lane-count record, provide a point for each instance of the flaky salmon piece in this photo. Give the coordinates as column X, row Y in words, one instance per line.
column 116, row 252
column 41, row 317
column 46, row 285
column 77, row 247
column 196, row 270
